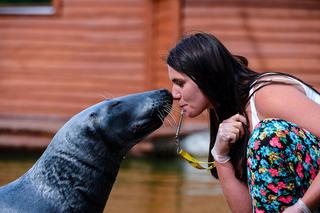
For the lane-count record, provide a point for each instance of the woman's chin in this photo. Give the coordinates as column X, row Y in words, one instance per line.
column 190, row 114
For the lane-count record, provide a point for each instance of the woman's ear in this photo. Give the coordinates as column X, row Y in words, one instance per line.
column 241, row 59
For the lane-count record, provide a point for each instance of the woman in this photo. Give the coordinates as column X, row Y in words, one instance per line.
column 263, row 164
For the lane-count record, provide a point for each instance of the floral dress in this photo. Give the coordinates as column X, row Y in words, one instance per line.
column 283, row 160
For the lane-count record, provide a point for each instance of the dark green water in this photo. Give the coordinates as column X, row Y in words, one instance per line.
column 144, row 185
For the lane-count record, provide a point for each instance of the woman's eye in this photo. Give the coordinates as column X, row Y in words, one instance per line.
column 179, row 83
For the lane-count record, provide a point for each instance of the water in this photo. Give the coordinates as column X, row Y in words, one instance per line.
column 144, row 185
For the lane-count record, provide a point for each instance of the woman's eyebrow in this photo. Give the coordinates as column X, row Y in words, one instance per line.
column 177, row 80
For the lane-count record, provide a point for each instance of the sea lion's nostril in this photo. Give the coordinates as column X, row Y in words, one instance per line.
column 93, row 115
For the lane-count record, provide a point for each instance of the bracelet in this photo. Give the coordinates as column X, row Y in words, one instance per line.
column 303, row 206
column 220, row 158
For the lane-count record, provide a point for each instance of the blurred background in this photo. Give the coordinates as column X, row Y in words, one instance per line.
column 59, row 57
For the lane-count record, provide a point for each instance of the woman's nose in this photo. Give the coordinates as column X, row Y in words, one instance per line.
column 176, row 94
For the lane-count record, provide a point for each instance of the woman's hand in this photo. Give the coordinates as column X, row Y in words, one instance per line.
column 229, row 132
column 298, row 207
column 292, row 209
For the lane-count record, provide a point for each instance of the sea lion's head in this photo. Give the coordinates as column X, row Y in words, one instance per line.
column 124, row 121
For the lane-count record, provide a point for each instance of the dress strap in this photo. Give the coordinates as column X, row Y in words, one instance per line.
column 254, row 115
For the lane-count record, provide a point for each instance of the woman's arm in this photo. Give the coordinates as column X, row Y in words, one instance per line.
column 312, row 197
column 236, row 193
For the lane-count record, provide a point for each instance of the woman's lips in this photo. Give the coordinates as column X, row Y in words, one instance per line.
column 183, row 107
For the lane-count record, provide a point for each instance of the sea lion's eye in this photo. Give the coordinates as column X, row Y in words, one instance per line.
column 114, row 104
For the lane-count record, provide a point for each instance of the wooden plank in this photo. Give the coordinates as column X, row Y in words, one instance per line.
column 62, row 56
column 266, row 36
column 276, row 48
column 94, row 10
column 72, row 45
column 79, row 35
column 268, row 24
column 84, row 3
column 250, row 11
column 292, row 4
column 68, row 64
column 99, row 23
column 81, row 76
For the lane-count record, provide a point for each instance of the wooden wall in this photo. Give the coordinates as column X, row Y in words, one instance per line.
column 58, row 65
column 274, row 35
column 55, row 66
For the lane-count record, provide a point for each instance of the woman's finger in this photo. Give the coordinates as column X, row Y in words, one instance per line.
column 236, row 117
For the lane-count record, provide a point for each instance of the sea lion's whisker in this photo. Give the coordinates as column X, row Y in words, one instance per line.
column 160, row 117
column 170, row 117
column 162, row 120
column 169, row 121
column 173, row 109
column 166, row 123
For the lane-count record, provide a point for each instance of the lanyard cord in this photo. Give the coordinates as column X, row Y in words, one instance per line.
column 185, row 155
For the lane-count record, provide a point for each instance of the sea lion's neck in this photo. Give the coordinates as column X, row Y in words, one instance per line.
column 77, row 172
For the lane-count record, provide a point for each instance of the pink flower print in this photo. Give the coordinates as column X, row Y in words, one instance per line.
column 308, row 159
column 281, row 185
column 275, row 142
column 273, row 172
column 313, row 173
column 285, row 200
column 295, row 130
column 263, row 192
column 256, row 145
column 299, row 170
column 299, row 146
column 272, row 188
column 259, row 211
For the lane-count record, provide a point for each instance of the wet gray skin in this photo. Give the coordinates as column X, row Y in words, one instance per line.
column 77, row 170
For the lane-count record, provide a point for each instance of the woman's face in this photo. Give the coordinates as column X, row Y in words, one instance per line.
column 190, row 98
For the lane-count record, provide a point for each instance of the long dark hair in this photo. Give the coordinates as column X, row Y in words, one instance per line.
column 225, row 79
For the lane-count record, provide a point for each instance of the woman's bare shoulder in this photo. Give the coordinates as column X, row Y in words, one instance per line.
column 288, row 102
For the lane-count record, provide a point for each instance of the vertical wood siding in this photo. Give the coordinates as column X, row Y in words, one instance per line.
column 166, row 31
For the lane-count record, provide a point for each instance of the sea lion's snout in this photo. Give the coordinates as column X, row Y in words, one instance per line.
column 147, row 111
column 151, row 110
column 126, row 120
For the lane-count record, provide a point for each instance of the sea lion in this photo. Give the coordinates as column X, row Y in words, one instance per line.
column 77, row 170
